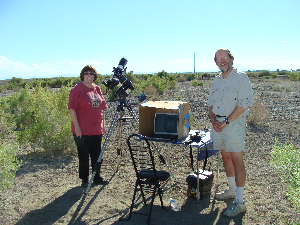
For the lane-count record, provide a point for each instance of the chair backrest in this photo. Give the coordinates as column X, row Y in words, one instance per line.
column 141, row 154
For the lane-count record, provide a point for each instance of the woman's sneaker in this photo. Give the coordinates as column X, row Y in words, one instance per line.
column 99, row 180
column 236, row 208
column 226, row 195
column 84, row 183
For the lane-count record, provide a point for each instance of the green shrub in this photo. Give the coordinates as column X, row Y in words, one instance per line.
column 161, row 84
column 197, row 83
column 281, row 72
column 293, row 76
column 6, row 123
column 205, row 75
column 9, row 165
column 251, row 74
column 264, row 73
column 286, row 160
column 172, row 84
column 162, row 74
column 190, row 76
column 42, row 118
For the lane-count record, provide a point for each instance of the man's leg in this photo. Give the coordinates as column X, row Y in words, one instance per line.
column 230, row 173
column 228, row 164
column 238, row 206
column 239, row 168
column 240, row 173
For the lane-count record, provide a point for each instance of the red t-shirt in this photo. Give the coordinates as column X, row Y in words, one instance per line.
column 88, row 104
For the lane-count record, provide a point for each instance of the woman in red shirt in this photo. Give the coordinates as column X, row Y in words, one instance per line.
column 86, row 107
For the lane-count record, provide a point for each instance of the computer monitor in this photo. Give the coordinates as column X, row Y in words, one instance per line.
column 166, row 124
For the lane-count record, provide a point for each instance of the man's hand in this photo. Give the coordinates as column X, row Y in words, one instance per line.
column 218, row 126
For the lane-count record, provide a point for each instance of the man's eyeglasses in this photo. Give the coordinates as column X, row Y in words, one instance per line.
column 88, row 73
column 219, row 59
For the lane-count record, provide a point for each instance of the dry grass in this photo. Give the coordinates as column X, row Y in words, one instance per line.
column 258, row 114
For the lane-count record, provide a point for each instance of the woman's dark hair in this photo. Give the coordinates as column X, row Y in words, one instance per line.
column 86, row 69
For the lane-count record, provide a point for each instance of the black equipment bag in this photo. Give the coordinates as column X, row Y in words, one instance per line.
column 205, row 181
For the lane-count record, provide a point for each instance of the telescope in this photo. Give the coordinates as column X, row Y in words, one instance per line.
column 119, row 77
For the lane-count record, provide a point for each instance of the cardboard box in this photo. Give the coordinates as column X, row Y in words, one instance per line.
column 147, row 112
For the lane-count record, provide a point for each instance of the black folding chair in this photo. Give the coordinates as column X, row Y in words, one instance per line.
column 148, row 178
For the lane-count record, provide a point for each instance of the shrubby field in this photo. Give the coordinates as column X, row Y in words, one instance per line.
column 37, row 146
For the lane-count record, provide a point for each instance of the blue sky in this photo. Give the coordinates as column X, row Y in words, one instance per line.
column 51, row 38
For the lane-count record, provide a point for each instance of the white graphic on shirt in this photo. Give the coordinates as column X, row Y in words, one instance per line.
column 94, row 99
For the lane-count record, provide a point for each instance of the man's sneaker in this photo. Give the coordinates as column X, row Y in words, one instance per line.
column 226, row 195
column 84, row 183
column 236, row 208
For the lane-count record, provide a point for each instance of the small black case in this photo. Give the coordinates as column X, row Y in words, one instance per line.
column 205, row 183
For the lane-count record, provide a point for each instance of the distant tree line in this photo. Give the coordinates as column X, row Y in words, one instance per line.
column 160, row 81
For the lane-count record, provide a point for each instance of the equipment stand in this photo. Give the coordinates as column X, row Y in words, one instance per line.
column 120, row 111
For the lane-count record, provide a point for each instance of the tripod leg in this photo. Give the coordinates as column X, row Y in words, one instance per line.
column 132, row 112
column 101, row 153
column 119, row 141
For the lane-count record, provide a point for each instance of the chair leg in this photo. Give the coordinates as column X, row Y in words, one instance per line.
column 142, row 192
column 133, row 199
column 151, row 204
column 160, row 197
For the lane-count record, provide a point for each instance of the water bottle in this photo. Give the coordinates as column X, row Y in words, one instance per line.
column 174, row 204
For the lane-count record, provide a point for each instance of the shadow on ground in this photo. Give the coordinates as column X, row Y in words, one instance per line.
column 52, row 212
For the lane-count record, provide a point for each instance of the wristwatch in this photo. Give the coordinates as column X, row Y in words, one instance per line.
column 226, row 120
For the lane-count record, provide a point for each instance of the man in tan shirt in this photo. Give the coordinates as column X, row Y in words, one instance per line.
column 229, row 99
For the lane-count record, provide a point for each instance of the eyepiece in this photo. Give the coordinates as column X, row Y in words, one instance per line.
column 123, row 62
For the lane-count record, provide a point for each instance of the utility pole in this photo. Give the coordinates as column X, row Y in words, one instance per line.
column 194, row 63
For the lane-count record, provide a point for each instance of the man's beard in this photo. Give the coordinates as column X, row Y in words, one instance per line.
column 229, row 66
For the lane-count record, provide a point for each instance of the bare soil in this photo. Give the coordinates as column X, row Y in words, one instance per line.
column 47, row 190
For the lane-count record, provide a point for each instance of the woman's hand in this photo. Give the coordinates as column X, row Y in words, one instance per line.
column 78, row 131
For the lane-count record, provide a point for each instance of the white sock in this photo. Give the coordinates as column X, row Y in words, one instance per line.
column 239, row 193
column 232, row 185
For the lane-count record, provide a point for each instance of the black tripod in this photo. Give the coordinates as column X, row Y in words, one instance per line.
column 122, row 103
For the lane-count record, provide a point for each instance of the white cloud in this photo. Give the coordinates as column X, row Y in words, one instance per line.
column 10, row 69
column 268, row 63
column 6, row 64
column 96, row 63
column 182, row 60
column 47, row 64
column 80, row 63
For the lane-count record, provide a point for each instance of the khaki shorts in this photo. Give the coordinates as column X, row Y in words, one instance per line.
column 232, row 136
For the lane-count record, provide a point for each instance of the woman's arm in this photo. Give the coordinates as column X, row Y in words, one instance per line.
column 73, row 115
